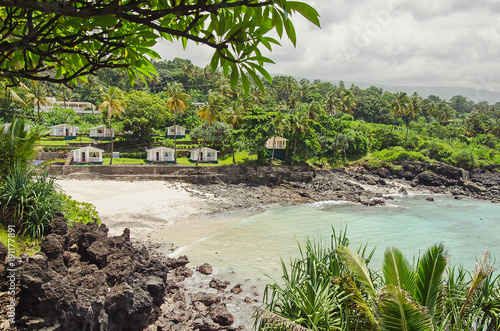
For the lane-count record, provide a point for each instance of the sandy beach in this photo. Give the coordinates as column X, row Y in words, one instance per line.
column 147, row 208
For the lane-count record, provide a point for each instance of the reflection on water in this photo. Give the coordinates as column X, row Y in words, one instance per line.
column 252, row 247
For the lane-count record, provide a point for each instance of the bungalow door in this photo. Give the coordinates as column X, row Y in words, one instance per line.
column 67, row 132
column 201, row 156
column 83, row 157
column 157, row 156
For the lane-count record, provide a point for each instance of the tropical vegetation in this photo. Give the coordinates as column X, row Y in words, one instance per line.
column 331, row 287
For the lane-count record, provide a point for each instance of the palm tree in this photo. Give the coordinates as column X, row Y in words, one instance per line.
column 38, row 96
column 9, row 93
column 113, row 102
column 445, row 112
column 211, row 112
column 177, row 102
column 331, row 104
column 347, row 104
column 432, row 111
column 414, row 109
column 233, row 117
column 399, row 107
column 66, row 95
column 298, row 124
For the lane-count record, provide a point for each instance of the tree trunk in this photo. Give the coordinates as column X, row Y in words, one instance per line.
column 294, row 149
column 407, row 129
column 112, row 146
column 326, row 136
column 199, row 151
column 336, row 136
column 38, row 108
column 272, row 154
column 390, row 136
column 175, row 137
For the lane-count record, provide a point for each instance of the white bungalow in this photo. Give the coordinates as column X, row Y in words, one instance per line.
column 6, row 127
column 179, row 131
column 279, row 144
column 208, row 155
column 64, row 130
column 160, row 155
column 100, row 132
column 88, row 154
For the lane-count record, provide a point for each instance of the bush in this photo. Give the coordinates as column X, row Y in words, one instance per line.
column 141, row 155
column 464, row 158
column 29, row 201
column 76, row 211
column 398, row 154
column 437, row 150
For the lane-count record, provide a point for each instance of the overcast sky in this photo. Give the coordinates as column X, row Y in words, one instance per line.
column 392, row 42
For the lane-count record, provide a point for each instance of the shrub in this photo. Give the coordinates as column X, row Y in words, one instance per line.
column 76, row 211
column 398, row 154
column 437, row 150
column 464, row 158
column 28, row 200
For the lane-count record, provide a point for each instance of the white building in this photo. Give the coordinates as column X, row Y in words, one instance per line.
column 278, row 142
column 160, row 154
column 100, row 132
column 179, row 131
column 79, row 107
column 64, row 130
column 88, row 154
column 208, row 155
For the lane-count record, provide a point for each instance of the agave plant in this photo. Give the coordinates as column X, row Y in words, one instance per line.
column 334, row 289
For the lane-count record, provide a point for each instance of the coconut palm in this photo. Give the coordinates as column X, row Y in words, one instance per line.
column 347, row 104
column 414, row 109
column 66, row 95
column 113, row 102
column 445, row 112
column 233, row 117
column 211, row 112
column 298, row 123
column 432, row 111
column 177, row 102
column 331, row 104
column 399, row 108
column 38, row 96
column 10, row 94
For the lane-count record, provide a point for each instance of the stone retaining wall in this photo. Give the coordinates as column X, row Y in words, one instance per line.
column 189, row 174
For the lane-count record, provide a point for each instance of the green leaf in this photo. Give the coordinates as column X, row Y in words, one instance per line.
column 234, row 76
column 245, row 83
column 305, row 10
column 290, row 32
column 358, row 266
column 397, row 270
column 430, row 270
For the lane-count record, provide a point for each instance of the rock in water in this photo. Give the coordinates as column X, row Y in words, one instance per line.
column 205, row 269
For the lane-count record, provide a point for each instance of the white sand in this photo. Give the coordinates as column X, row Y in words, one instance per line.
column 145, row 207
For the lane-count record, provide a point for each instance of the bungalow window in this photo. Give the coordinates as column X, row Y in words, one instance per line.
column 167, row 154
column 93, row 154
column 210, row 154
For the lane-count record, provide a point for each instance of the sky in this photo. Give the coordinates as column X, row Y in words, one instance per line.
column 392, row 42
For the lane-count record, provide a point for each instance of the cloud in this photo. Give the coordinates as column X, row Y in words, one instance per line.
column 395, row 42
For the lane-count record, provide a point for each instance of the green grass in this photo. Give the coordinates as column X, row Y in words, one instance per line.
column 21, row 245
column 80, row 140
column 44, row 142
column 105, row 161
column 240, row 157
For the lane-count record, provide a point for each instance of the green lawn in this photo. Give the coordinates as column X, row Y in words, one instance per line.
column 240, row 157
column 105, row 161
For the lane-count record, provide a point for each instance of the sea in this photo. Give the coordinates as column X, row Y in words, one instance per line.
column 251, row 248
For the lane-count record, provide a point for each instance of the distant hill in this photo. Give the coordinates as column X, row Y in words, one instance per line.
column 446, row 93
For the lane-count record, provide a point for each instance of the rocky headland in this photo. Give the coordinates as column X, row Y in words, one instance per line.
column 84, row 279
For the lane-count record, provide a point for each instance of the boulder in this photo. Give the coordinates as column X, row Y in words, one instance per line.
column 237, row 289
column 218, row 284
column 205, row 269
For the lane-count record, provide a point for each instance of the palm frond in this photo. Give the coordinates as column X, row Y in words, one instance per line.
column 430, row 270
column 277, row 321
column 398, row 270
column 358, row 266
column 399, row 313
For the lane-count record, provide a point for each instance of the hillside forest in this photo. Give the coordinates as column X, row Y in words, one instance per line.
column 325, row 124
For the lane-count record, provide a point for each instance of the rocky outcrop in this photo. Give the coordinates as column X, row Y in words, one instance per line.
column 84, row 280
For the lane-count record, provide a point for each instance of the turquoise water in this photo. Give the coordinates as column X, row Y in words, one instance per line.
column 253, row 245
